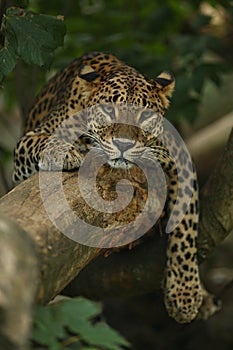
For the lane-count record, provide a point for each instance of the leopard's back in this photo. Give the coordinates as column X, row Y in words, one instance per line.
column 67, row 90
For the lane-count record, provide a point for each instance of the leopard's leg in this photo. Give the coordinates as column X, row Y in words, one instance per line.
column 49, row 147
column 54, row 145
column 182, row 288
column 183, row 293
column 36, row 151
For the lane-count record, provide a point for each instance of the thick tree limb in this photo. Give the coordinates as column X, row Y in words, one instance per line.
column 59, row 258
column 127, row 273
column 216, row 220
column 18, row 284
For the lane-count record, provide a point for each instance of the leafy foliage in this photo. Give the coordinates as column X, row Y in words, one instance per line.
column 31, row 37
column 74, row 324
column 152, row 36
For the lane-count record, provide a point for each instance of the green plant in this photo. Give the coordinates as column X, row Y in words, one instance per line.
column 74, row 324
column 152, row 36
column 29, row 36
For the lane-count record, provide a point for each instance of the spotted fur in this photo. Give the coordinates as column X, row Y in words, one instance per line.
column 103, row 80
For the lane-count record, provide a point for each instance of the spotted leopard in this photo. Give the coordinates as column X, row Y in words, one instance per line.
column 102, row 79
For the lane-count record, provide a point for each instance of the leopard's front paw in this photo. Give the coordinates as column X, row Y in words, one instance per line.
column 182, row 307
column 182, row 295
column 59, row 156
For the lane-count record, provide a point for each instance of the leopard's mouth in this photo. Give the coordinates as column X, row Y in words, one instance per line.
column 120, row 163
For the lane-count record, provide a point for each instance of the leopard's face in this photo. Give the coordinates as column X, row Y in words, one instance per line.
column 124, row 133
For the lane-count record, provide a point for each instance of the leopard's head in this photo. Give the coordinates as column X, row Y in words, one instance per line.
column 125, row 127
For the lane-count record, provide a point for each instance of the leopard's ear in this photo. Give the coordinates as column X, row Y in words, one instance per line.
column 87, row 73
column 166, row 81
column 166, row 84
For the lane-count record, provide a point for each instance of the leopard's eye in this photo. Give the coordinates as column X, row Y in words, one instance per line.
column 109, row 110
column 145, row 115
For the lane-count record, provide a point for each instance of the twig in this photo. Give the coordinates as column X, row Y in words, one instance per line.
column 211, row 137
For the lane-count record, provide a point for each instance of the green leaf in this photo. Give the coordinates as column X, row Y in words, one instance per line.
column 55, row 323
column 77, row 310
column 101, row 334
column 48, row 329
column 205, row 71
column 77, row 315
column 8, row 61
column 198, row 79
column 36, row 36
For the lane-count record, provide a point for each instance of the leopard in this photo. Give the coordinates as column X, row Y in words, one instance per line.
column 103, row 80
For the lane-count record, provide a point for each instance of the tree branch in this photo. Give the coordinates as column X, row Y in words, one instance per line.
column 216, row 221
column 59, row 258
column 207, row 144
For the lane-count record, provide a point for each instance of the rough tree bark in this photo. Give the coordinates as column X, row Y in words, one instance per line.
column 48, row 260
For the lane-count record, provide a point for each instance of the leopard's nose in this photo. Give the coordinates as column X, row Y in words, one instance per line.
column 123, row 144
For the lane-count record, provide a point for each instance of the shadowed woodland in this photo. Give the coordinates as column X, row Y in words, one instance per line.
column 193, row 40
